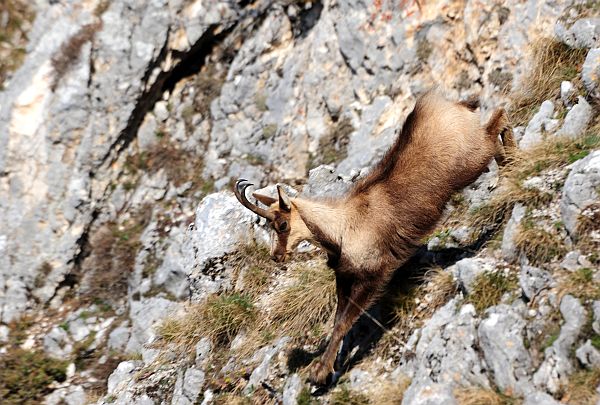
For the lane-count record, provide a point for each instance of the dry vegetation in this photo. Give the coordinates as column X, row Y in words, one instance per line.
column 538, row 244
column 70, row 50
column 15, row 22
column 482, row 396
column 434, row 289
column 219, row 318
column 26, row 376
column 181, row 166
column 551, row 154
column 333, row 147
column 580, row 284
column 390, row 392
column 344, row 396
column 113, row 248
column 552, row 62
column 307, row 302
column 581, row 389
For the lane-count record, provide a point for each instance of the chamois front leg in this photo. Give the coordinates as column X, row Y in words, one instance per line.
column 348, row 310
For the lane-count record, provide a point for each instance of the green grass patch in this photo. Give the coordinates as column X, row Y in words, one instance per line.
column 488, row 288
column 26, row 376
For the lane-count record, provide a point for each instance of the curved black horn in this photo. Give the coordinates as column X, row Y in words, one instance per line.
column 240, row 192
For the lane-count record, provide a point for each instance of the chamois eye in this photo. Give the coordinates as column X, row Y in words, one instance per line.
column 283, row 226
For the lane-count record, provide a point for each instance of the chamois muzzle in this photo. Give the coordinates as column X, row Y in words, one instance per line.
column 240, row 192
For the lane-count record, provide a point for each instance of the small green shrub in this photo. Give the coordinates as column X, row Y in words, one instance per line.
column 26, row 376
column 344, row 396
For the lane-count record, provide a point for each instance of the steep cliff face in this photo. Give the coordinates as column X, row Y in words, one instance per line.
column 124, row 254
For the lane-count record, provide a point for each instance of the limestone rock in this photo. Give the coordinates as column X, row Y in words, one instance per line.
column 509, row 250
column 188, row 387
column 541, row 121
column 577, row 120
column 557, row 365
column 291, row 390
column 580, row 190
column 501, row 340
column 533, row 280
column 590, row 73
column 588, row 355
column 583, row 33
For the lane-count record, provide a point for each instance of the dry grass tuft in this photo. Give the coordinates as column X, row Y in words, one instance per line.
column 581, row 389
column 434, row 290
column 538, row 245
column 580, row 284
column 482, row 396
column 113, row 247
column 391, row 393
column 306, row 303
column 587, row 233
column 344, row 396
column 552, row 62
column 181, row 166
column 488, row 288
column 550, row 154
column 14, row 25
column 219, row 318
column 253, row 269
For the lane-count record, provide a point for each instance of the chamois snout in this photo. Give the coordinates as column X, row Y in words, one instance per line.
column 278, row 257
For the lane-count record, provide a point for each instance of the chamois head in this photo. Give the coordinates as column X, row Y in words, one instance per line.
column 288, row 228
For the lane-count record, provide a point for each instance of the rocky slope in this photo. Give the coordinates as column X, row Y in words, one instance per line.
column 129, row 273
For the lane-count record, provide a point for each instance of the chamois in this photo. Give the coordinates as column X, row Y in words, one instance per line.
column 377, row 226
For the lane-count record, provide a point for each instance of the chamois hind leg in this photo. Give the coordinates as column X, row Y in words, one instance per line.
column 499, row 125
column 361, row 296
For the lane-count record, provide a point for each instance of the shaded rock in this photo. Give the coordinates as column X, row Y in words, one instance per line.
column 571, row 261
column 145, row 315
column 203, row 348
column 577, row 120
column 261, row 372
column 588, row 355
column 4, row 333
column 580, row 190
column 541, row 121
column 446, row 352
column 557, row 365
column 501, row 340
column 57, row 343
column 118, row 338
column 539, row 398
column 121, row 376
column 583, row 33
column 291, row 389
column 375, row 133
column 509, row 249
column 596, row 322
column 323, row 181
column 467, row 270
column 188, row 387
column 71, row 395
column 590, row 73
column 221, row 225
column 429, row 393
column 533, row 280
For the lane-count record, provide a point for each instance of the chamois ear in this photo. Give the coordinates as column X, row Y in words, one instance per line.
column 265, row 199
column 284, row 200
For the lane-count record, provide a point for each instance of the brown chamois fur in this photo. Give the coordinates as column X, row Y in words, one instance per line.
column 378, row 225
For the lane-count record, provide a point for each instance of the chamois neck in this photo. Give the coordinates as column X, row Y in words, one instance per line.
column 324, row 219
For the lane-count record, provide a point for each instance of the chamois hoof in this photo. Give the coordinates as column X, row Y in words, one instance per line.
column 320, row 373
